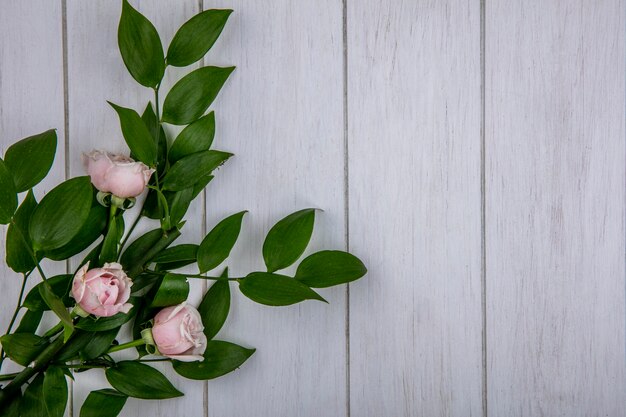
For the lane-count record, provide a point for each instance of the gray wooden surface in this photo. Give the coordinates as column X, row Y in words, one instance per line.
column 471, row 153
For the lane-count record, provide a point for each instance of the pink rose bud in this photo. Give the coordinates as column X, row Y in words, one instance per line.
column 178, row 333
column 116, row 174
column 102, row 292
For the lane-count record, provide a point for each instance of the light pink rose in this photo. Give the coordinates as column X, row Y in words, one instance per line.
column 178, row 333
column 104, row 291
column 116, row 174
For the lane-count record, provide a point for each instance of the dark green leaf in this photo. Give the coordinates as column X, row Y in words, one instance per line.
column 29, row 322
column 287, row 240
column 173, row 290
column 140, row 381
column 91, row 230
column 328, row 268
column 140, row 47
column 56, row 304
column 196, row 137
column 137, row 135
column 103, row 403
column 216, row 246
column 10, row 407
column 61, row 214
column 103, row 324
column 214, row 308
column 32, row 404
column 8, row 196
column 112, row 239
column 196, row 37
column 186, row 252
column 193, row 94
column 30, row 159
column 99, row 344
column 142, row 319
column 276, row 290
column 60, row 287
column 23, row 348
column 75, row 345
column 201, row 184
column 191, row 169
column 18, row 255
column 220, row 358
column 136, row 250
column 180, row 205
column 149, row 118
column 144, row 281
column 55, row 391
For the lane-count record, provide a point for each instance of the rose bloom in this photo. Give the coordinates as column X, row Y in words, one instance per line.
column 178, row 333
column 104, row 291
column 116, row 174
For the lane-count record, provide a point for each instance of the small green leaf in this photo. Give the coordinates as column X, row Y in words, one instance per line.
column 60, row 285
column 328, row 268
column 61, row 214
column 56, row 305
column 196, row 137
column 140, row 381
column 103, row 403
column 173, row 290
column 180, row 204
column 22, row 348
column 33, row 404
column 98, row 344
column 103, row 324
column 89, row 233
column 220, row 358
column 8, row 196
column 10, row 407
column 137, row 135
column 39, row 151
column 191, row 169
column 111, row 242
column 193, row 94
column 276, row 290
column 136, row 250
column 186, row 252
column 55, row 391
column 18, row 254
column 217, row 245
column 140, row 47
column 150, row 119
column 287, row 240
column 30, row 322
column 72, row 348
column 214, row 307
column 196, row 37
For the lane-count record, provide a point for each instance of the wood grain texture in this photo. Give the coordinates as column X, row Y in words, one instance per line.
column 414, row 181
column 96, row 74
column 555, row 208
column 281, row 114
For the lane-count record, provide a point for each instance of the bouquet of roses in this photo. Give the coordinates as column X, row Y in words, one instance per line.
column 132, row 282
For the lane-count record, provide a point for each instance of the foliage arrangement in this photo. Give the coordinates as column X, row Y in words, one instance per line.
column 131, row 281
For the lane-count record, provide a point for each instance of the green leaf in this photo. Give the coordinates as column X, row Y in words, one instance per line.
column 112, row 239
column 89, row 233
column 276, row 290
column 10, row 408
column 328, row 268
column 61, row 214
column 8, row 196
column 214, row 307
column 72, row 348
column 193, row 94
column 180, row 205
column 173, row 290
column 150, row 120
column 140, row 47
column 103, row 324
column 287, row 240
column 18, row 254
column 136, row 135
column 136, row 250
column 23, row 348
column 196, row 37
column 60, row 285
column 186, row 252
column 30, row 159
column 191, row 169
column 140, row 381
column 29, row 322
column 56, row 305
column 220, row 358
column 103, row 403
column 216, row 246
column 32, row 404
column 98, row 344
column 196, row 137
column 55, row 391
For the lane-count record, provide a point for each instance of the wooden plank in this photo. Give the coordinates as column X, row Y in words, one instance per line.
column 97, row 74
column 31, row 101
column 414, row 192
column 555, row 208
column 281, row 114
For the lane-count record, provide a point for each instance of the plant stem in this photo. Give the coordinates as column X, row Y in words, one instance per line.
column 17, row 309
column 134, row 343
column 8, row 377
